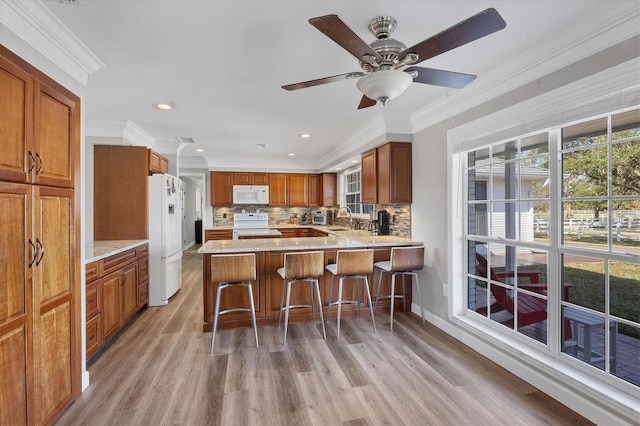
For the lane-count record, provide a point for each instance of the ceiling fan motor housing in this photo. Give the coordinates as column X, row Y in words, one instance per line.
column 388, row 48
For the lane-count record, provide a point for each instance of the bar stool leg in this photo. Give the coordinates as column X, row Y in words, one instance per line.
column 330, row 299
column 355, row 278
column 393, row 292
column 286, row 314
column 281, row 302
column 339, row 303
column 404, row 295
column 313, row 310
column 253, row 314
column 215, row 316
column 366, row 286
column 324, row 331
column 379, row 285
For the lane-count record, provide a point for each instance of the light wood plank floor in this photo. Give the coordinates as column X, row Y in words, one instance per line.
column 159, row 371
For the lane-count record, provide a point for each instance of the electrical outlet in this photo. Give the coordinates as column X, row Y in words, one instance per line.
column 224, row 215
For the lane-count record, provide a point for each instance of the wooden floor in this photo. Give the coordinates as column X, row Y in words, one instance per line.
column 159, row 371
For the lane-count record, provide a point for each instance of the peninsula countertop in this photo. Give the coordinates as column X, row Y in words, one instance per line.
column 351, row 239
column 96, row 250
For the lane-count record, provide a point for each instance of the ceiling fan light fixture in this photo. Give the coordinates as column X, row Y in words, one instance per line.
column 384, row 85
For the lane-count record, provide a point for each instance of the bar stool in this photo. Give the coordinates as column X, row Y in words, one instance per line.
column 404, row 261
column 354, row 264
column 233, row 270
column 300, row 267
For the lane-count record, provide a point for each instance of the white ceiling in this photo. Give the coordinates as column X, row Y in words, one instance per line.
column 221, row 64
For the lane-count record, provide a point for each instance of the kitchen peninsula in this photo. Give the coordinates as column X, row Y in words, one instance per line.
column 268, row 286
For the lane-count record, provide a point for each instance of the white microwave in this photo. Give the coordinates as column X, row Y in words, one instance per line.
column 250, row 194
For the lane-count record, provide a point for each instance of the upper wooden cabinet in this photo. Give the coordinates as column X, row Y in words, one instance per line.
column 120, row 192
column 368, row 177
column 157, row 163
column 386, row 174
column 279, row 189
column 314, row 190
column 298, row 187
column 250, row 178
column 221, row 187
column 39, row 127
column 328, row 189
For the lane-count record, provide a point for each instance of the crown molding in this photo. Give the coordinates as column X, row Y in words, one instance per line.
column 608, row 26
column 34, row 23
column 125, row 130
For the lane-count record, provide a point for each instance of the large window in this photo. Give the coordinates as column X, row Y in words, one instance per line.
column 552, row 232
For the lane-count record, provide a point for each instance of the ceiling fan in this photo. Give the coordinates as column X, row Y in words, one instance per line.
column 385, row 72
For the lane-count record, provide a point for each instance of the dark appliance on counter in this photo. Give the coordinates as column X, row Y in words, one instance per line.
column 374, row 227
column 383, row 222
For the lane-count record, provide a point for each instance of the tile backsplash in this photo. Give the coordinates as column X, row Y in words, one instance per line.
column 399, row 215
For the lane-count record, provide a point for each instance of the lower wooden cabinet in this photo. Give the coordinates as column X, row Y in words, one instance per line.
column 218, row 234
column 117, row 287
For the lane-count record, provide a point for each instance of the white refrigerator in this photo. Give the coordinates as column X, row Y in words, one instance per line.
column 165, row 238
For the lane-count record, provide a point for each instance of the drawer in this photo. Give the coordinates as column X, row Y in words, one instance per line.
column 143, row 269
column 92, row 271
column 117, row 261
column 94, row 337
column 220, row 234
column 143, row 293
column 93, row 300
column 143, row 251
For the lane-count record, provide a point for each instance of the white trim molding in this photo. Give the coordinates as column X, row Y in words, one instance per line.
column 33, row 22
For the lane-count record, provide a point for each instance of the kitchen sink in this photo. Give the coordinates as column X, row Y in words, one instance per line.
column 338, row 229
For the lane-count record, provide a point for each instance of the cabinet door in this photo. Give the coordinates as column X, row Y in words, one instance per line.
column 56, row 305
column 298, row 189
column 221, row 187
column 16, row 118
column 241, row 178
column 111, row 304
column 55, row 137
column 278, row 189
column 129, row 293
column 15, row 228
column 329, row 190
column 368, row 181
column 400, row 177
column 260, row 178
column 314, row 190
column 218, row 234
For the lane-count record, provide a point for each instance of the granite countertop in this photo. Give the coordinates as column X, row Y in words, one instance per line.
column 332, row 230
column 305, row 243
column 259, row 233
column 97, row 250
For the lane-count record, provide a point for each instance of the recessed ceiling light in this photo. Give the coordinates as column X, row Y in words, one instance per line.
column 291, row 154
column 199, row 150
column 338, row 168
column 354, row 161
column 305, row 135
column 164, row 106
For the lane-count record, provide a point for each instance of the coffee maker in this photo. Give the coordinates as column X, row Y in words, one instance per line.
column 383, row 222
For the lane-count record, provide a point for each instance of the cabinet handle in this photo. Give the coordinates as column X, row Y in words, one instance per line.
column 41, row 251
column 32, row 161
column 34, row 251
column 39, row 163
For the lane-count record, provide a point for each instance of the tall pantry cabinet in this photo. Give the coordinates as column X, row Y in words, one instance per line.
column 39, row 245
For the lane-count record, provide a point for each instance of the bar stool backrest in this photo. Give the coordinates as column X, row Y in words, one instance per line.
column 354, row 262
column 305, row 264
column 233, row 268
column 407, row 258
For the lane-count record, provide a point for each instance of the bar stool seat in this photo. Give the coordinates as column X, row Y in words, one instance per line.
column 404, row 261
column 355, row 264
column 301, row 267
column 233, row 270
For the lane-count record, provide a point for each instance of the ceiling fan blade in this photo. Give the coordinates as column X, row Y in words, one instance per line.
column 479, row 25
column 333, row 27
column 435, row 77
column 324, row 80
column 366, row 102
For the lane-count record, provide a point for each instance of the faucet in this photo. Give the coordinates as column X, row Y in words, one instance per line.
column 348, row 210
